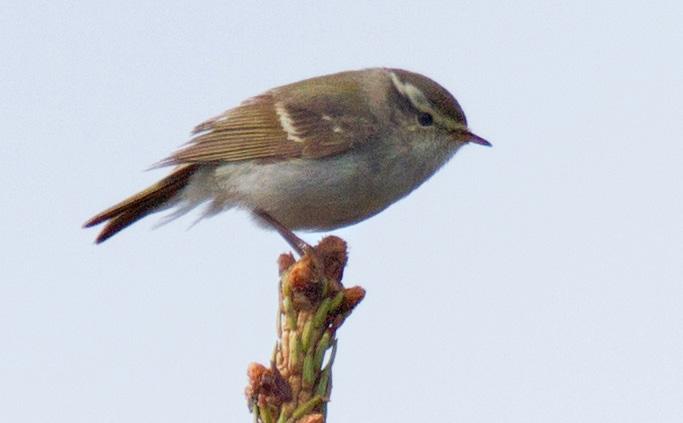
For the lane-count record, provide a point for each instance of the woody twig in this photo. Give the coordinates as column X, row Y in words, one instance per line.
column 313, row 304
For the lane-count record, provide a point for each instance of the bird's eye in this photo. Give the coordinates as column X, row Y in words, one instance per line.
column 425, row 119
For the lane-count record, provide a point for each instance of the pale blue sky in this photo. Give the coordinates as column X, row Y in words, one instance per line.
column 537, row 281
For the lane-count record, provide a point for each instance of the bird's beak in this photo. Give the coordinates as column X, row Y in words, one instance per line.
column 477, row 139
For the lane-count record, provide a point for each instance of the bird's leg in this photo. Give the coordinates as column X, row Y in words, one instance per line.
column 299, row 245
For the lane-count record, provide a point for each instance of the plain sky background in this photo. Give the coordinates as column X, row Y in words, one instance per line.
column 537, row 281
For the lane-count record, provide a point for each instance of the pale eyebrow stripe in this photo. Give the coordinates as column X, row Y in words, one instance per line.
column 412, row 93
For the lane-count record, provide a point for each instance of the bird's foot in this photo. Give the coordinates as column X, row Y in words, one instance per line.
column 300, row 246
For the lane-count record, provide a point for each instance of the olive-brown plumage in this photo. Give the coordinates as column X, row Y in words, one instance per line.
column 316, row 154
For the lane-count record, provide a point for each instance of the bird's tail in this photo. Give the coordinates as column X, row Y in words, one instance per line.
column 155, row 198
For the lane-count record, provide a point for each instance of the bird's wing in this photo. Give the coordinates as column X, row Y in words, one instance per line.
column 269, row 127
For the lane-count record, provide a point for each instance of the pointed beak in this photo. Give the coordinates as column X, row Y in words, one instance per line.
column 478, row 140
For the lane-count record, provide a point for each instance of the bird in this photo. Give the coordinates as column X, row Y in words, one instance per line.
column 315, row 155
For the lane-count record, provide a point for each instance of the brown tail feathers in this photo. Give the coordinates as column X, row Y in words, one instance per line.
column 134, row 208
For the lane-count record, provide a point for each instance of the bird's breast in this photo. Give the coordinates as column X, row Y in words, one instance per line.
column 323, row 194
